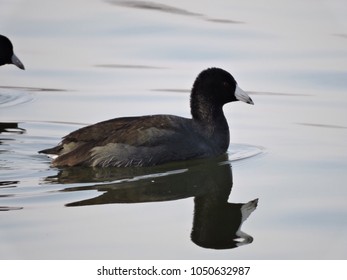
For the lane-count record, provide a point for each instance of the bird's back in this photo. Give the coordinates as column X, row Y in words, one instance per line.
column 133, row 141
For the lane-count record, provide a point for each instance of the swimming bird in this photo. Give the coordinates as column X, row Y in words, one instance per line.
column 6, row 53
column 157, row 139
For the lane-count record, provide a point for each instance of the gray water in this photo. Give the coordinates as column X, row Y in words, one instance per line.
column 88, row 61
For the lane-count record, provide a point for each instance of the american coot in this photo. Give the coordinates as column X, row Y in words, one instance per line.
column 6, row 53
column 156, row 139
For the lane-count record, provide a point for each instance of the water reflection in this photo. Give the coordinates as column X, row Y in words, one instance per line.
column 216, row 223
column 11, row 127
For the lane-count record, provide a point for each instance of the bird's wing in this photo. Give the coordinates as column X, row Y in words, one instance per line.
column 135, row 131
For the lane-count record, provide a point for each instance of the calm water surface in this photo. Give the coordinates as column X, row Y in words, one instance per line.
column 88, row 61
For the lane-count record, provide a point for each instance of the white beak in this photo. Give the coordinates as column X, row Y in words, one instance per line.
column 242, row 96
column 15, row 60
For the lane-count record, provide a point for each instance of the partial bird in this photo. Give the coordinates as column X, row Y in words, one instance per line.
column 7, row 55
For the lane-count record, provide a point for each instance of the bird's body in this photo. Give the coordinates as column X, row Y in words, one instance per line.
column 139, row 141
column 156, row 139
column 7, row 55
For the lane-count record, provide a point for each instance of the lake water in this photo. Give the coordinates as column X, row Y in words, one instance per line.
column 88, row 61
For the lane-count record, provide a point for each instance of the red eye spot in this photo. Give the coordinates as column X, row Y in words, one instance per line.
column 225, row 84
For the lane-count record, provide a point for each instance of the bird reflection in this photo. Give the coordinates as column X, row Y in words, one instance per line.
column 11, row 128
column 216, row 222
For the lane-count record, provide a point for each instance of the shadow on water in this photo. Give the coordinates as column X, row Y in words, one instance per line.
column 129, row 66
column 158, row 7
column 216, row 223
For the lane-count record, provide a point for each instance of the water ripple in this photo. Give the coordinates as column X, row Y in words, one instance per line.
column 11, row 96
column 14, row 98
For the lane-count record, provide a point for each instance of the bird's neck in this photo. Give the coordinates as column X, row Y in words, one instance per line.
column 212, row 122
column 208, row 113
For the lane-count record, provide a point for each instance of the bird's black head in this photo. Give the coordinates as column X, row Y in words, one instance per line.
column 218, row 87
column 213, row 88
column 6, row 53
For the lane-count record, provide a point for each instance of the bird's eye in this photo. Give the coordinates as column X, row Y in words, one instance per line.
column 225, row 84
